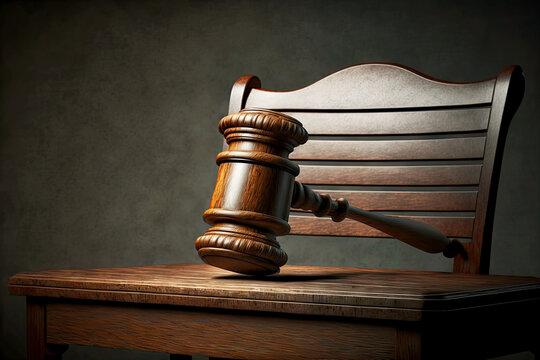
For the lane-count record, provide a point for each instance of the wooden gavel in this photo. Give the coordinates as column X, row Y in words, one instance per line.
column 255, row 190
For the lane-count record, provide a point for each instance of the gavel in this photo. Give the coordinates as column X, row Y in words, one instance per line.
column 255, row 190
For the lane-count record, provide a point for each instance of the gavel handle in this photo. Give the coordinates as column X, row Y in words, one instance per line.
column 414, row 233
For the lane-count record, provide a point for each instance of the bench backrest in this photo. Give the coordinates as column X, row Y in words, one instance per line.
column 390, row 139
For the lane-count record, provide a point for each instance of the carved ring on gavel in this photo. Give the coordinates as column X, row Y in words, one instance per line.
column 254, row 192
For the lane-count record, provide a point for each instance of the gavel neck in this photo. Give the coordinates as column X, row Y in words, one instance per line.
column 320, row 204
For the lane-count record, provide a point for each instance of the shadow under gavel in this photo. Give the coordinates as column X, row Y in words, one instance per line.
column 255, row 190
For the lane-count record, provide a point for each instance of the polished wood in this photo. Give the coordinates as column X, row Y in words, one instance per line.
column 303, row 312
column 356, row 111
column 410, row 175
column 36, row 343
column 395, row 200
column 315, row 312
column 417, row 234
column 158, row 329
column 429, row 149
column 253, row 192
column 507, row 97
column 408, row 344
column 396, row 122
column 375, row 86
column 35, row 329
column 457, row 226
column 253, row 196
column 240, row 92
column 306, row 290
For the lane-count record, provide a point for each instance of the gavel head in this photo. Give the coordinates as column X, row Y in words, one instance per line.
column 252, row 197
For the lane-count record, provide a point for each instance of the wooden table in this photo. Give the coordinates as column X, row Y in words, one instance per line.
column 302, row 313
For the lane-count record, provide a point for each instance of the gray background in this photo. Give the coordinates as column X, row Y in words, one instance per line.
column 109, row 114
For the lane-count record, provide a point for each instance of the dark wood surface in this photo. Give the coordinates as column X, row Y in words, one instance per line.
column 302, row 313
column 397, row 122
column 415, row 233
column 386, row 127
column 396, row 200
column 254, row 189
column 370, row 150
column 217, row 334
column 507, row 97
column 461, row 226
column 390, row 175
column 261, row 335
column 349, row 292
column 375, row 86
column 252, row 197
column 36, row 328
column 356, row 115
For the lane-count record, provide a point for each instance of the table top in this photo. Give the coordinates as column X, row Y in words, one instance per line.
column 307, row 290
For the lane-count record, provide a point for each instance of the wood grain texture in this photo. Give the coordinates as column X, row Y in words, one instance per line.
column 240, row 92
column 394, row 122
column 450, row 226
column 252, row 197
column 433, row 149
column 362, row 86
column 36, row 343
column 316, row 312
column 408, row 344
column 407, row 200
column 35, row 329
column 256, row 336
column 508, row 93
column 342, row 292
column 390, row 175
column 417, row 234
column 393, row 100
column 254, row 191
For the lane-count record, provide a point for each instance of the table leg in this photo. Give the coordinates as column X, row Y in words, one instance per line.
column 408, row 344
column 36, row 347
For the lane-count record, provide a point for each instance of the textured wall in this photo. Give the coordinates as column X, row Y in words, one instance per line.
column 109, row 114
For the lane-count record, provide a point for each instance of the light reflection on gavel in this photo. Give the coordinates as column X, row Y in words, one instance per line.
column 255, row 190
